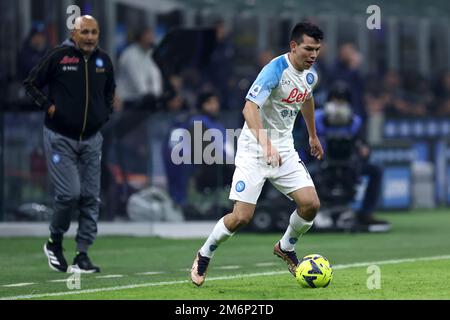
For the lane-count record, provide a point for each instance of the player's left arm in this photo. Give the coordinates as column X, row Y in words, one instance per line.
column 314, row 142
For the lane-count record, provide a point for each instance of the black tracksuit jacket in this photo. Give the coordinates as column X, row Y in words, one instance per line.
column 82, row 90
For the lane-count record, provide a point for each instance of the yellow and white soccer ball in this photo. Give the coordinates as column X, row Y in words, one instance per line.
column 314, row 271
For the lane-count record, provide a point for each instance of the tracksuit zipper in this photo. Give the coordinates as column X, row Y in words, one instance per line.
column 87, row 98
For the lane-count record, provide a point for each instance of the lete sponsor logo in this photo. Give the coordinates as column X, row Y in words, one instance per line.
column 296, row 96
column 69, row 60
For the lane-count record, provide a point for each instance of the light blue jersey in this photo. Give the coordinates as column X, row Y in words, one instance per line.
column 279, row 90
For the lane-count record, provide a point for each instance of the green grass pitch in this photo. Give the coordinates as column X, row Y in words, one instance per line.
column 414, row 261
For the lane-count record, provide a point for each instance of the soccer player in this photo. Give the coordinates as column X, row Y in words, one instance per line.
column 266, row 148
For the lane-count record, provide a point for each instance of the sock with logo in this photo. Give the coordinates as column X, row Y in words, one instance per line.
column 297, row 227
column 219, row 234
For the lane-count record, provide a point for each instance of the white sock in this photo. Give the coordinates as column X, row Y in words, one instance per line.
column 297, row 227
column 219, row 234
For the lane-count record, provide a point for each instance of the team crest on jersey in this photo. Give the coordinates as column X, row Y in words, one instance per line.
column 310, row 78
column 240, row 186
column 56, row 158
column 255, row 90
column 99, row 62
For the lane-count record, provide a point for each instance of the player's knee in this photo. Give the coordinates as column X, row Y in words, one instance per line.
column 241, row 218
column 316, row 205
column 310, row 209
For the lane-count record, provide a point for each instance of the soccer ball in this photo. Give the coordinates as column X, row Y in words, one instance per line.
column 314, row 271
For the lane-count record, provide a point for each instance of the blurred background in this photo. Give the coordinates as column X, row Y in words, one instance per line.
column 205, row 54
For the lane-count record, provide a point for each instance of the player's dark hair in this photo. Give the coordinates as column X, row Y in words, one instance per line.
column 301, row 28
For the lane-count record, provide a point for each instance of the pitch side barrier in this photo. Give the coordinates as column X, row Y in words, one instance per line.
column 429, row 139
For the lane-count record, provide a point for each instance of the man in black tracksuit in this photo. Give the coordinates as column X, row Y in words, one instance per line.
column 81, row 84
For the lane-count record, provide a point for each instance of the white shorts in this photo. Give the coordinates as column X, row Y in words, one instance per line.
column 251, row 174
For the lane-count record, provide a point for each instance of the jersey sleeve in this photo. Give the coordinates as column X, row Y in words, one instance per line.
column 39, row 78
column 267, row 80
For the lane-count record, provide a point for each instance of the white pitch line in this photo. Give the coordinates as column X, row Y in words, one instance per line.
column 228, row 267
column 249, row 275
column 366, row 264
column 109, row 276
column 150, row 273
column 58, row 280
column 24, row 284
column 265, row 264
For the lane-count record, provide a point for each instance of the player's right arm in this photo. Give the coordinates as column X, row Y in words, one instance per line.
column 267, row 80
column 253, row 119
